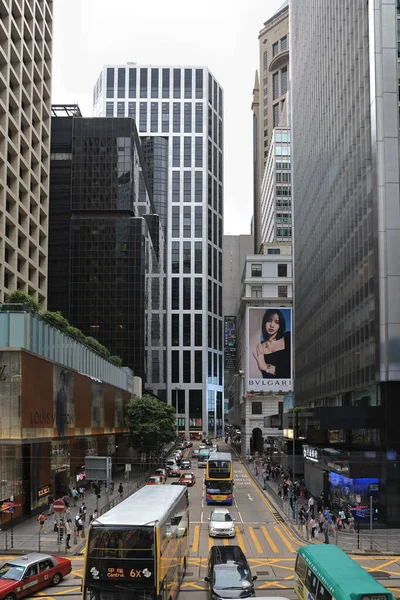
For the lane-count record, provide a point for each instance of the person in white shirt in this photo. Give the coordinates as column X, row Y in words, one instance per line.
column 311, row 506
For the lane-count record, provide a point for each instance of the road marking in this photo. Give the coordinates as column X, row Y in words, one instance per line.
column 210, row 543
column 249, row 497
column 201, row 517
column 196, row 537
column 240, row 516
column 386, row 564
column 226, row 542
column 255, row 540
column 240, row 539
column 188, row 584
column 284, row 540
column 270, row 584
column 269, row 539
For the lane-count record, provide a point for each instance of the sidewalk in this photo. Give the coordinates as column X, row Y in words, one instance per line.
column 25, row 536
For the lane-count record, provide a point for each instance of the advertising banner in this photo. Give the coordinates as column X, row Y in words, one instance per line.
column 269, row 349
column 230, row 343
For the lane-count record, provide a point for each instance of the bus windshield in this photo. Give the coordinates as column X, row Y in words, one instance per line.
column 136, row 542
column 220, row 469
column 218, row 487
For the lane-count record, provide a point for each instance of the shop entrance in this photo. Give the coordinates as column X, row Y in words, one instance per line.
column 258, row 442
column 60, row 482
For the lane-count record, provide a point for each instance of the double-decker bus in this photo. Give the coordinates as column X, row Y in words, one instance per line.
column 219, row 478
column 325, row 572
column 138, row 550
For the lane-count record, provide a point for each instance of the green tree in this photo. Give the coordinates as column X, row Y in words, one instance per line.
column 18, row 297
column 56, row 319
column 95, row 344
column 116, row 360
column 76, row 333
column 151, row 423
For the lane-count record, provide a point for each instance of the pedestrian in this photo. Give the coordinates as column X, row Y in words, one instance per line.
column 78, row 525
column 325, row 529
column 313, row 527
column 94, row 515
column 111, row 487
column 320, row 519
column 66, row 500
column 81, row 492
column 59, row 528
column 75, row 495
column 351, row 524
column 82, row 512
column 121, row 490
column 68, row 530
column 311, row 505
column 41, row 519
column 67, row 513
column 342, row 516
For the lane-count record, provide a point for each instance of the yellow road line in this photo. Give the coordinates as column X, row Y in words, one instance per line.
column 284, row 540
column 386, row 564
column 269, row 539
column 270, row 584
column 290, row 577
column 196, row 538
column 188, row 584
column 210, row 543
column 240, row 539
column 255, row 540
column 226, row 542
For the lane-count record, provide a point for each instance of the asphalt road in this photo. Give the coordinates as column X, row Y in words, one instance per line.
column 269, row 544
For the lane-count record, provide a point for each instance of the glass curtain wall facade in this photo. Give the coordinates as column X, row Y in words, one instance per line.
column 276, row 192
column 113, row 290
column 345, row 128
column 184, row 105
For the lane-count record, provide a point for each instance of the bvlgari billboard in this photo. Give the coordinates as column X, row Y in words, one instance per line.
column 269, row 350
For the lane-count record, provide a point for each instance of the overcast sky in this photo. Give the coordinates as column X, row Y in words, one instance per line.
column 219, row 34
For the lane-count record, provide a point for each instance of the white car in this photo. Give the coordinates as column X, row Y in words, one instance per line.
column 222, row 524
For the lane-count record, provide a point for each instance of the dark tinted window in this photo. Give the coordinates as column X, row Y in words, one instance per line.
column 132, row 83
column 143, row 83
column 110, row 83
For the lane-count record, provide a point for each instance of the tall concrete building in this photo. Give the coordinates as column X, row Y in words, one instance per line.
column 269, row 104
column 345, row 128
column 184, row 105
column 25, row 86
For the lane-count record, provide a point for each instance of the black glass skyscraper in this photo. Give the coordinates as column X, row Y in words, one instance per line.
column 108, row 274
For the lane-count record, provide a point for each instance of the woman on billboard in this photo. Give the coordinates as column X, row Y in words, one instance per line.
column 273, row 353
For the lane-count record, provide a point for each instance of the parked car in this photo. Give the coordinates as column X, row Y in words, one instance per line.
column 228, row 573
column 195, row 452
column 186, row 463
column 35, row 570
column 155, row 480
column 179, row 446
column 170, row 463
column 189, row 444
column 221, row 523
column 178, row 458
column 187, row 479
column 174, row 471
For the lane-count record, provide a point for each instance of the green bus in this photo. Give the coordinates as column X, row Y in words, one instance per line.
column 325, row 572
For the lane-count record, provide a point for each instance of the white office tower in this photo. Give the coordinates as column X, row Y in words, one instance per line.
column 25, row 85
column 179, row 116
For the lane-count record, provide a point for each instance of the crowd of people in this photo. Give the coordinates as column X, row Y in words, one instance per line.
column 313, row 515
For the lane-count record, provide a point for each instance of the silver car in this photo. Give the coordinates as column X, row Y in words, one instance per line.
column 222, row 524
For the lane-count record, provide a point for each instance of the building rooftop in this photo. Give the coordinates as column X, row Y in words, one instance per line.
column 281, row 9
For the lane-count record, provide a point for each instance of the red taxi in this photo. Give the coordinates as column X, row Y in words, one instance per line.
column 28, row 574
column 156, row 480
column 187, row 479
column 174, row 471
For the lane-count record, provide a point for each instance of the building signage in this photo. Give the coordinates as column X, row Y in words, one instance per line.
column 339, row 467
column 44, row 491
column 230, row 343
column 3, row 372
column 269, row 349
column 310, row 453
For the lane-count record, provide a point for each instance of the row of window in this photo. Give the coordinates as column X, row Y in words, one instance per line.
column 186, row 302
column 154, row 83
column 256, row 270
column 160, row 115
column 182, row 222
column 181, row 332
column 182, row 362
column 275, row 83
column 192, row 188
column 256, row 291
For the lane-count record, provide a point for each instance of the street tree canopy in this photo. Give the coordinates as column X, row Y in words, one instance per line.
column 151, row 423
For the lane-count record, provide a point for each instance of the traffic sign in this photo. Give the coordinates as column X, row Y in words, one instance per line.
column 59, row 506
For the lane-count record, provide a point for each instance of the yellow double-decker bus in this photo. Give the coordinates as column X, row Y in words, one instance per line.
column 138, row 550
column 219, row 478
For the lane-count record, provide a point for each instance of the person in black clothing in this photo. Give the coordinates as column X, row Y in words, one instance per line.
column 273, row 354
